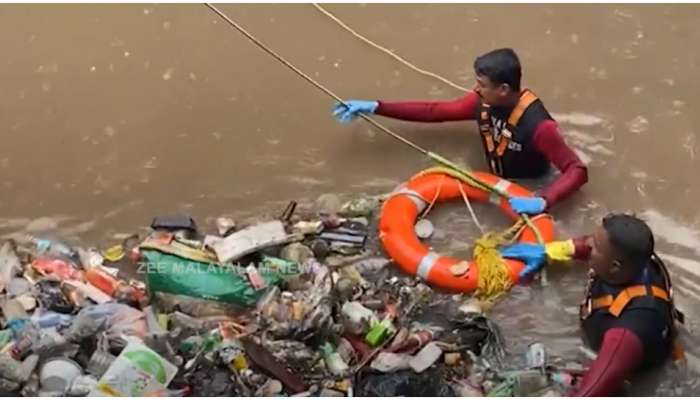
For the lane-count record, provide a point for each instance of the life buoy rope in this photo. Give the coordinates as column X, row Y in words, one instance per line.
column 489, row 275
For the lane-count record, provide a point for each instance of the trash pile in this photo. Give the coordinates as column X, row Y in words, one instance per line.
column 298, row 305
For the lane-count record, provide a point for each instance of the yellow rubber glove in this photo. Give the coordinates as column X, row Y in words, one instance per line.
column 560, row 251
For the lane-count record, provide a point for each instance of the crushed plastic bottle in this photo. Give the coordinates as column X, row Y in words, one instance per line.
column 52, row 319
column 101, row 358
column 536, row 356
column 52, row 248
column 357, row 318
column 334, row 362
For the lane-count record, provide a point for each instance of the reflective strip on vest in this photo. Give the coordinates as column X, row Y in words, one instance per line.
column 526, row 99
column 617, row 305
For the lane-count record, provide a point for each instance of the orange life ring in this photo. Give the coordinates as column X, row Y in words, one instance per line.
column 398, row 217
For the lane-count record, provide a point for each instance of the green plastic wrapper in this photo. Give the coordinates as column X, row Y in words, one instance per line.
column 167, row 273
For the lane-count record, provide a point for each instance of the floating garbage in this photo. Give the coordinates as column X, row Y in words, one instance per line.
column 249, row 240
column 426, row 357
column 136, row 372
column 296, row 306
column 10, row 265
column 404, row 383
column 58, row 374
column 174, row 223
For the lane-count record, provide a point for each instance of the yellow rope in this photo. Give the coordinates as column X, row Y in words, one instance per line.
column 434, row 200
column 471, row 210
column 450, row 167
column 471, row 180
column 389, row 52
column 494, row 275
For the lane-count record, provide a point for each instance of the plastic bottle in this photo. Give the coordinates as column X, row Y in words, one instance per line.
column 378, row 333
column 425, row 358
column 334, row 362
column 102, row 280
column 346, row 350
column 536, row 356
column 414, row 342
column 52, row 319
column 28, row 336
column 529, row 383
column 113, row 286
column 99, row 362
column 564, row 379
column 53, row 248
column 357, row 317
column 233, row 355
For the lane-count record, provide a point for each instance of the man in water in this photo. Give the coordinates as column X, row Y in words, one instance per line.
column 628, row 315
column 520, row 138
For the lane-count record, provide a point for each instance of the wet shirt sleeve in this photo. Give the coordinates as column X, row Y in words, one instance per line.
column 582, row 248
column 620, row 355
column 574, row 172
column 460, row 109
column 652, row 329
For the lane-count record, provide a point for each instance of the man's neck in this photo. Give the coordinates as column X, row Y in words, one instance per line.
column 632, row 278
column 512, row 100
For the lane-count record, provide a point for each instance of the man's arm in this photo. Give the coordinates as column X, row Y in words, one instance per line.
column 620, row 355
column 574, row 172
column 431, row 111
column 582, row 248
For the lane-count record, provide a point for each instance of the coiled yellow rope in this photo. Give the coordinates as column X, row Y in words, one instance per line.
column 494, row 275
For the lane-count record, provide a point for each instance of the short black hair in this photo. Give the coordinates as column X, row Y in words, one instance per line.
column 631, row 237
column 500, row 66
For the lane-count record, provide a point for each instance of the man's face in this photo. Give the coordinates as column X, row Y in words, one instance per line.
column 602, row 255
column 491, row 94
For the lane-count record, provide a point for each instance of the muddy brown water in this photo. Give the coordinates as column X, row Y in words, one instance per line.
column 111, row 114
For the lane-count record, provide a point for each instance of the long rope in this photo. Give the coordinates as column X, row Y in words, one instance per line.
column 456, row 169
column 474, row 181
column 311, row 80
column 387, row 51
column 471, row 210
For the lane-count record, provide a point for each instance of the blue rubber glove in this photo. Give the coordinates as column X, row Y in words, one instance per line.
column 533, row 255
column 349, row 110
column 527, row 205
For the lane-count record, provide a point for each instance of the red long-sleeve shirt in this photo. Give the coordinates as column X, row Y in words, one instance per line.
column 547, row 139
column 620, row 355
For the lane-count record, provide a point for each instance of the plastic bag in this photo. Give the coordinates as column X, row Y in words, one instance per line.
column 176, row 275
column 10, row 265
column 138, row 370
column 404, row 383
column 118, row 319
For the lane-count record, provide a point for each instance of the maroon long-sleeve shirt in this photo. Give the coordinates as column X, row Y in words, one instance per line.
column 546, row 139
